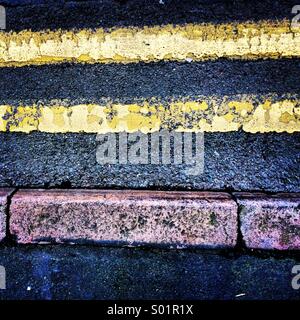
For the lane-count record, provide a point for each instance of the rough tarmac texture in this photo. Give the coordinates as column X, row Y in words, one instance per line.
column 120, row 273
column 92, row 83
column 40, row 14
column 232, row 161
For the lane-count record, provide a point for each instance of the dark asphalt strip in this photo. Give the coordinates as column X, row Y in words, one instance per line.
column 60, row 272
column 233, row 161
column 107, row 13
column 90, row 83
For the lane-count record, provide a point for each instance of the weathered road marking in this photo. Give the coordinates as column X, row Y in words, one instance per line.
column 265, row 39
column 206, row 114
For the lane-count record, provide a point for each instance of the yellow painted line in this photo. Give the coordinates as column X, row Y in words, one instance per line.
column 265, row 39
column 205, row 114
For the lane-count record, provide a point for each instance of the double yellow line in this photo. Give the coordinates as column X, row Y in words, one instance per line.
column 192, row 42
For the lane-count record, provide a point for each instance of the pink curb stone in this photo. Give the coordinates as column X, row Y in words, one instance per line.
column 176, row 219
column 270, row 221
column 4, row 194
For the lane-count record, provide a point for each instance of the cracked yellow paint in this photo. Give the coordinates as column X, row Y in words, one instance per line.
column 3, row 110
column 250, row 40
column 249, row 113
